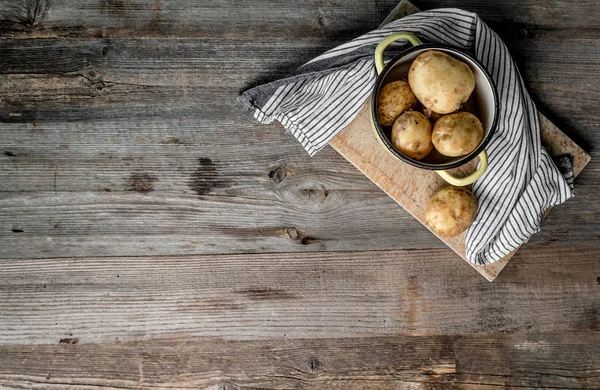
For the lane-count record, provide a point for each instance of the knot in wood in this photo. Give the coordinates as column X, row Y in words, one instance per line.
column 293, row 233
column 523, row 33
column 278, row 175
column 314, row 365
column 315, row 193
column 93, row 75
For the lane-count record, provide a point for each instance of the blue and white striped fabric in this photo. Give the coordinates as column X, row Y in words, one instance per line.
column 323, row 96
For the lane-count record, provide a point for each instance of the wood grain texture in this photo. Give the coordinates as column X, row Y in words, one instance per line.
column 262, row 18
column 566, row 361
column 124, row 139
column 155, row 122
column 275, row 296
column 186, row 18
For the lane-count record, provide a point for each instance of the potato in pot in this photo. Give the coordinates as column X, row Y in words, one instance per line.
column 411, row 135
column 440, row 82
column 451, row 211
column 393, row 99
column 457, row 134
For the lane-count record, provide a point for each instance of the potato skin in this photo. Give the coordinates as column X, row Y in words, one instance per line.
column 457, row 134
column 411, row 135
column 440, row 82
column 394, row 98
column 451, row 211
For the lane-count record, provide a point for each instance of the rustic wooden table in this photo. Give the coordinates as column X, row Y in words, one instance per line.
column 154, row 235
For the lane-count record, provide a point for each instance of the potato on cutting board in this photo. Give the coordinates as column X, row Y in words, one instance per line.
column 451, row 211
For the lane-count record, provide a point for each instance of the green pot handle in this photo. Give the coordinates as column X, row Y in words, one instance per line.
column 464, row 181
column 379, row 64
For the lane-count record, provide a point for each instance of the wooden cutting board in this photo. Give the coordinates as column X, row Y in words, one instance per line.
column 412, row 187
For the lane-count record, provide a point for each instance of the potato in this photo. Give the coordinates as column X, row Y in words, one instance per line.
column 451, row 211
column 411, row 135
column 440, row 82
column 457, row 134
column 394, row 98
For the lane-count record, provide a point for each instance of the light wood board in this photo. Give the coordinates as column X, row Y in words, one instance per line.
column 413, row 187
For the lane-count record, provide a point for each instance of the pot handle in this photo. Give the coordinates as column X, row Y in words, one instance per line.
column 379, row 64
column 463, row 181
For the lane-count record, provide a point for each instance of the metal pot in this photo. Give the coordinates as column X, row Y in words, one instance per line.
column 483, row 103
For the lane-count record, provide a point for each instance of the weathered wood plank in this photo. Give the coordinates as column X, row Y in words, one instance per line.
column 139, row 204
column 565, row 361
column 263, row 18
column 57, row 77
column 299, row 219
column 73, row 80
column 331, row 295
column 306, row 217
column 516, row 14
column 221, row 18
column 176, row 62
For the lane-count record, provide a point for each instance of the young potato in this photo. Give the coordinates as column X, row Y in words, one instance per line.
column 440, row 82
column 457, row 134
column 394, row 98
column 411, row 135
column 451, row 211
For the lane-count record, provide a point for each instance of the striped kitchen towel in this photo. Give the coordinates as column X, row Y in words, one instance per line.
column 323, row 96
